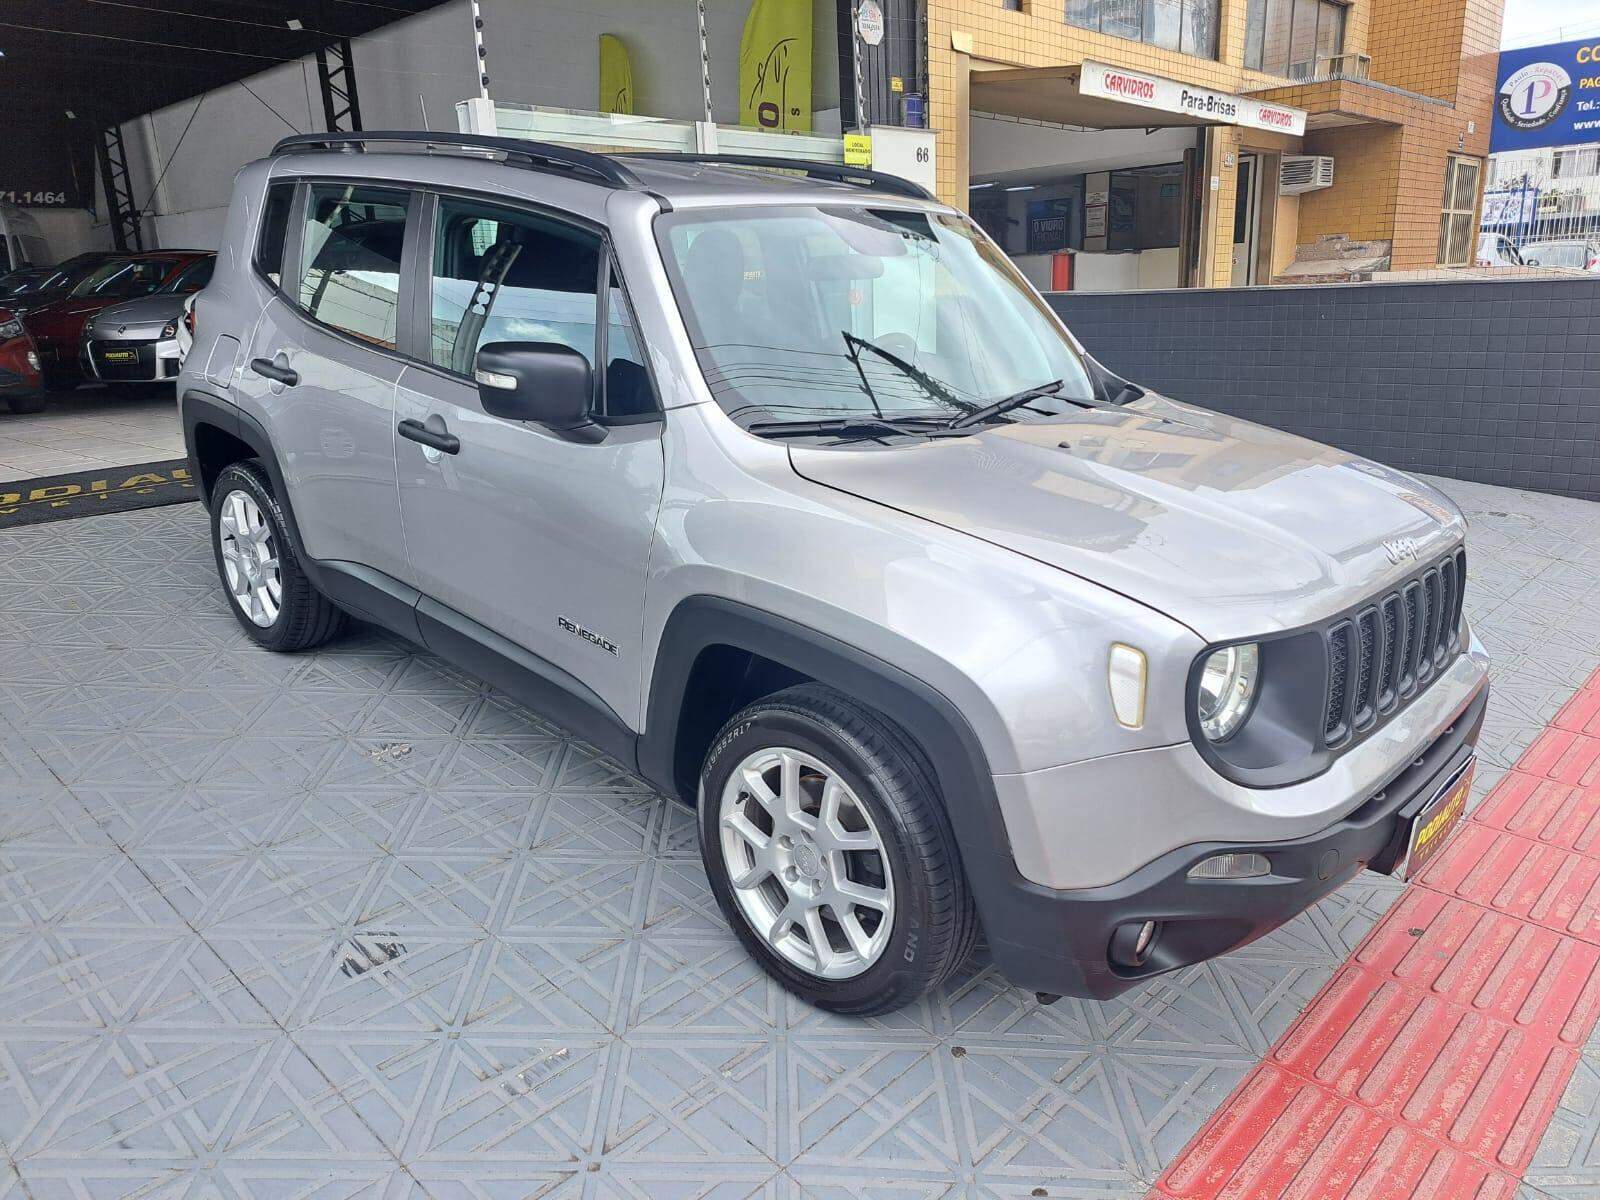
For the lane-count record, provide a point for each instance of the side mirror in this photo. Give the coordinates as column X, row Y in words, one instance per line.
column 543, row 382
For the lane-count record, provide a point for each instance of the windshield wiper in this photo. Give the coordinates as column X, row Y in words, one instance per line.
column 911, row 371
column 866, row 426
column 1017, row 399
column 1007, row 403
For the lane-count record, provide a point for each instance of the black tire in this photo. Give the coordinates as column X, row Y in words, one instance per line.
column 306, row 618
column 934, row 921
column 27, row 404
column 133, row 391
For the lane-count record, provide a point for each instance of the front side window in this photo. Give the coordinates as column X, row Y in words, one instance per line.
column 1189, row 26
column 500, row 275
column 351, row 278
column 627, row 391
column 806, row 313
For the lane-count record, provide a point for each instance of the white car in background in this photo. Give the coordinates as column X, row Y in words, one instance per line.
column 1574, row 255
column 1496, row 250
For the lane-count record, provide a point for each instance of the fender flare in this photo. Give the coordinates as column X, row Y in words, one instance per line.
column 966, row 786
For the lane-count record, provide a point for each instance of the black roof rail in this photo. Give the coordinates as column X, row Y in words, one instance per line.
column 832, row 172
column 540, row 156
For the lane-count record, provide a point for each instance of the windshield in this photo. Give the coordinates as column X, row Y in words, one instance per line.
column 807, row 313
column 125, row 277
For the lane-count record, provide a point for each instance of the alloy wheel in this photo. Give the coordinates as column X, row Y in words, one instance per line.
column 808, row 867
column 250, row 558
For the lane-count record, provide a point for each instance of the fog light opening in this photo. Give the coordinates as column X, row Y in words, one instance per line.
column 1231, row 866
column 1133, row 941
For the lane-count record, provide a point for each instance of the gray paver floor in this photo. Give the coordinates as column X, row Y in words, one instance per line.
column 87, row 429
column 351, row 923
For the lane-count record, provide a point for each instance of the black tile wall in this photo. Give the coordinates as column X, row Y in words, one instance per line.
column 1488, row 381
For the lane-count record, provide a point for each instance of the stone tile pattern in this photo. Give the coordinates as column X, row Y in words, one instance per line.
column 352, row 924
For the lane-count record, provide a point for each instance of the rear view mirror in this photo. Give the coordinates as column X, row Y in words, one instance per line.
column 543, row 382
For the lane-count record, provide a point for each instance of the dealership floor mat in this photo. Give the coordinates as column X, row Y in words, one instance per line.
column 104, row 490
column 352, row 924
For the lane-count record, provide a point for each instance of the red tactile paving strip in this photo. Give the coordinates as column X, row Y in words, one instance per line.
column 1431, row 1063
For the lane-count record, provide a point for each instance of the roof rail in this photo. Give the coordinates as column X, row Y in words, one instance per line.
column 538, row 156
column 833, row 172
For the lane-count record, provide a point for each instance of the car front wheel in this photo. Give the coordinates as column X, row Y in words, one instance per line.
column 830, row 854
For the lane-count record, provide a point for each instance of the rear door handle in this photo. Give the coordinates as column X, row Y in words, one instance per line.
column 285, row 375
column 435, row 439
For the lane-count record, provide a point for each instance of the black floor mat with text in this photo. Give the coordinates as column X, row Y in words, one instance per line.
column 104, row 490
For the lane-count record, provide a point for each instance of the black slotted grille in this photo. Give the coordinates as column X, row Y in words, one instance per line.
column 1383, row 657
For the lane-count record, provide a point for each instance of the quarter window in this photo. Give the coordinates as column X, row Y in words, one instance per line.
column 500, row 275
column 627, row 388
column 351, row 280
column 274, row 227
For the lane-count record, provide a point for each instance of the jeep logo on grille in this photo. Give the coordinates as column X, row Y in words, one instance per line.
column 1400, row 549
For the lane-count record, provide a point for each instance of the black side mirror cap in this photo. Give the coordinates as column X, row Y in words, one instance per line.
column 545, row 383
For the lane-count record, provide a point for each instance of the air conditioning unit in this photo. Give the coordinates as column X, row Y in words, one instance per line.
column 1302, row 173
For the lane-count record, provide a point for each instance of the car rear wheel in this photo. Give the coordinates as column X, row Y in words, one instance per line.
column 257, row 560
column 829, row 852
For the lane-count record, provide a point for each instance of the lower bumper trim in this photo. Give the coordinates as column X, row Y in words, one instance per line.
column 1060, row 941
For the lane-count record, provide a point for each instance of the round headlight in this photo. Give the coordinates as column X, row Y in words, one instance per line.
column 1227, row 690
column 169, row 330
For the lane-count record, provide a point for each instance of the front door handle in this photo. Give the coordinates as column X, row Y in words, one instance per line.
column 438, row 438
column 276, row 371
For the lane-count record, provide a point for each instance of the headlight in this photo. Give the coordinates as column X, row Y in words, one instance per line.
column 1227, row 690
column 169, row 330
column 10, row 329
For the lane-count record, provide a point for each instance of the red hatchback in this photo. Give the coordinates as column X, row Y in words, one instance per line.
column 57, row 328
column 21, row 387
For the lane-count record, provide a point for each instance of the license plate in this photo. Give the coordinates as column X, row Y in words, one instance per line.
column 120, row 356
column 1430, row 828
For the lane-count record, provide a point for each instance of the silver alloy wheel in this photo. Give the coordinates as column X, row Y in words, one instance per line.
column 806, row 862
column 250, row 558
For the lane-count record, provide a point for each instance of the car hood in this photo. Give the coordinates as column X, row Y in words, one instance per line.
column 147, row 312
column 1230, row 527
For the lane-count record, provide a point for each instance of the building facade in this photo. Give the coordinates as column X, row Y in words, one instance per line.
column 1172, row 177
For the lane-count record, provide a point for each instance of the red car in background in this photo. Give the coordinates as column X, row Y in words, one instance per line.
column 57, row 328
column 21, row 384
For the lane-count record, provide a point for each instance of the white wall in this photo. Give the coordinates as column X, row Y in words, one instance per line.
column 539, row 52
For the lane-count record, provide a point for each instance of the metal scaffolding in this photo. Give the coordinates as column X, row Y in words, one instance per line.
column 127, row 230
column 336, row 72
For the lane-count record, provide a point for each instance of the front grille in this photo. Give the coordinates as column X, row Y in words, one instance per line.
column 1386, row 654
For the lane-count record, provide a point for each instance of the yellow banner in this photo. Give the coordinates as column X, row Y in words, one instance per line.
column 616, row 76
column 775, row 66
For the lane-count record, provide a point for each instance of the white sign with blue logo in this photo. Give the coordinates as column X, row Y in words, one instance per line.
column 1548, row 96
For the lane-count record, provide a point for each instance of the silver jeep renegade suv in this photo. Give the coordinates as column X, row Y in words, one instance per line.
column 780, row 485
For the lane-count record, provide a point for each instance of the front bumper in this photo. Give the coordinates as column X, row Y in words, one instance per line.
column 1059, row 942
column 153, row 361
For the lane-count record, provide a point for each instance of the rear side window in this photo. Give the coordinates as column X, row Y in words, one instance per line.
column 351, row 278
column 505, row 276
column 274, row 231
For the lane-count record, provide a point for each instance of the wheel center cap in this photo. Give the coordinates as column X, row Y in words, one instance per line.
column 806, row 859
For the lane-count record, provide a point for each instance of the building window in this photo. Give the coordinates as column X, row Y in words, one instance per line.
column 1569, row 163
column 1188, row 26
column 1294, row 38
column 1457, row 230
